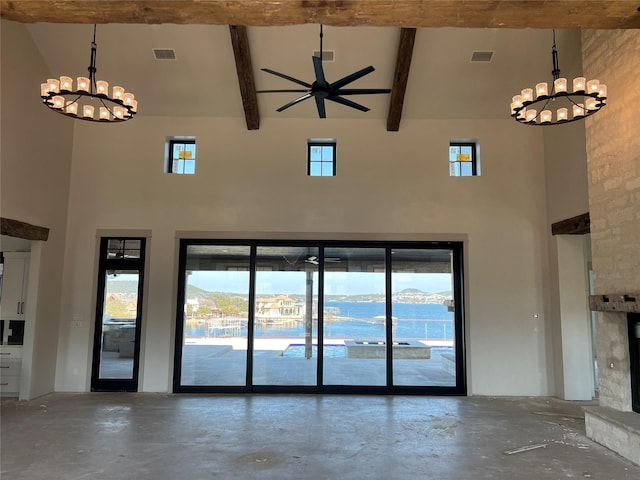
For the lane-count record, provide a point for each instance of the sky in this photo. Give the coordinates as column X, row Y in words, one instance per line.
column 336, row 283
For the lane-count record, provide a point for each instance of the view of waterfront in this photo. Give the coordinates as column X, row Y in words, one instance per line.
column 347, row 320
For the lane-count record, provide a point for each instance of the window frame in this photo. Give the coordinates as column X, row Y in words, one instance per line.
column 171, row 142
column 473, row 144
column 316, row 142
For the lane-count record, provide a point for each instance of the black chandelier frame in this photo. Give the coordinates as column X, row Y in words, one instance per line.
column 96, row 99
column 576, row 98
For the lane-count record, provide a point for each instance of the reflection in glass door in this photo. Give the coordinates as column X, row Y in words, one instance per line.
column 116, row 348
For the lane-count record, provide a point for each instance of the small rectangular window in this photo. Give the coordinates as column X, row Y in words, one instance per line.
column 182, row 156
column 321, row 158
column 463, row 160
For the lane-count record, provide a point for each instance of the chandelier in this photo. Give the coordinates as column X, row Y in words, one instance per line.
column 536, row 106
column 90, row 100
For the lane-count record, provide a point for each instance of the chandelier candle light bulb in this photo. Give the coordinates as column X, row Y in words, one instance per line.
column 585, row 99
column 83, row 84
column 560, row 85
column 562, row 114
column 54, row 85
column 91, row 97
column 66, row 83
column 58, row 102
column 541, row 90
column 72, row 108
column 102, row 87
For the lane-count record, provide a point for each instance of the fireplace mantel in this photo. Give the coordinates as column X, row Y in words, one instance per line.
column 615, row 302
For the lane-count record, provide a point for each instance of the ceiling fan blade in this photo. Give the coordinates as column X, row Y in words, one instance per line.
column 319, row 71
column 321, row 110
column 361, row 91
column 286, row 77
column 348, row 103
column 351, row 78
column 298, row 90
column 291, row 104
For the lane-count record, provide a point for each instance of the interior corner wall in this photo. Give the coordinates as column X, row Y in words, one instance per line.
column 613, row 149
column 35, row 171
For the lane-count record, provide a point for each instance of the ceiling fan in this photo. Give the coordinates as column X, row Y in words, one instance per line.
column 322, row 90
column 315, row 261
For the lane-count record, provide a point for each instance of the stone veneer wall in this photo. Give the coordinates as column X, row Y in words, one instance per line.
column 613, row 155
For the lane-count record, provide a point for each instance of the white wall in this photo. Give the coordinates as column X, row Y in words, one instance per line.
column 34, row 183
column 389, row 185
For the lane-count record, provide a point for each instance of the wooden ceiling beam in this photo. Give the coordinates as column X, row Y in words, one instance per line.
column 578, row 225
column 242, row 55
column 597, row 14
column 18, row 229
column 400, row 78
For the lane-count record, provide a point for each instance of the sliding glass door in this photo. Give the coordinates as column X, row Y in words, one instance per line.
column 422, row 316
column 376, row 317
column 354, row 316
column 285, row 322
column 214, row 315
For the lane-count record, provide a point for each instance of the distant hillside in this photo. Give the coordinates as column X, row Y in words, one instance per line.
column 193, row 291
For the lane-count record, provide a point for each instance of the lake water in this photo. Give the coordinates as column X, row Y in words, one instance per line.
column 413, row 320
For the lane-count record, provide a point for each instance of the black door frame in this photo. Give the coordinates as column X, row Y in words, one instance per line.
column 459, row 315
column 105, row 264
column 634, row 359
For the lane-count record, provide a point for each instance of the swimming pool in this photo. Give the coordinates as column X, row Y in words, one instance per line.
column 332, row 351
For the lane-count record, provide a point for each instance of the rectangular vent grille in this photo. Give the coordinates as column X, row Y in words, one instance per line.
column 164, row 53
column 481, row 57
column 327, row 55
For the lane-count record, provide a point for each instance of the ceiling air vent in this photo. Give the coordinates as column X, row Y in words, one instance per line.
column 327, row 55
column 164, row 53
column 481, row 57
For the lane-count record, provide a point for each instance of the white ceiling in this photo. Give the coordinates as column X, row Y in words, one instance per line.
column 202, row 81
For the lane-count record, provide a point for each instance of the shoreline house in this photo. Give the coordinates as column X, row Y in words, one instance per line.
column 278, row 311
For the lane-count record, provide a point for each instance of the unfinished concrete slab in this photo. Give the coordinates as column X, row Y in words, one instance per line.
column 165, row 436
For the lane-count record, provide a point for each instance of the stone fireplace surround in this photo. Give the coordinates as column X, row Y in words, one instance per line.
column 615, row 428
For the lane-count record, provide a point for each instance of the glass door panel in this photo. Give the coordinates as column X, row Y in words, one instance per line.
column 354, row 350
column 422, row 317
column 119, row 324
column 116, row 343
column 215, row 315
column 285, row 328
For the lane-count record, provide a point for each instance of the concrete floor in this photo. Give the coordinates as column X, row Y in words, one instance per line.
column 161, row 436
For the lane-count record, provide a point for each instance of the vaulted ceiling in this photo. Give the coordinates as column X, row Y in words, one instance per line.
column 220, row 47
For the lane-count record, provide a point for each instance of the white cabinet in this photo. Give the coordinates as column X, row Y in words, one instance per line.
column 10, row 368
column 14, row 285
